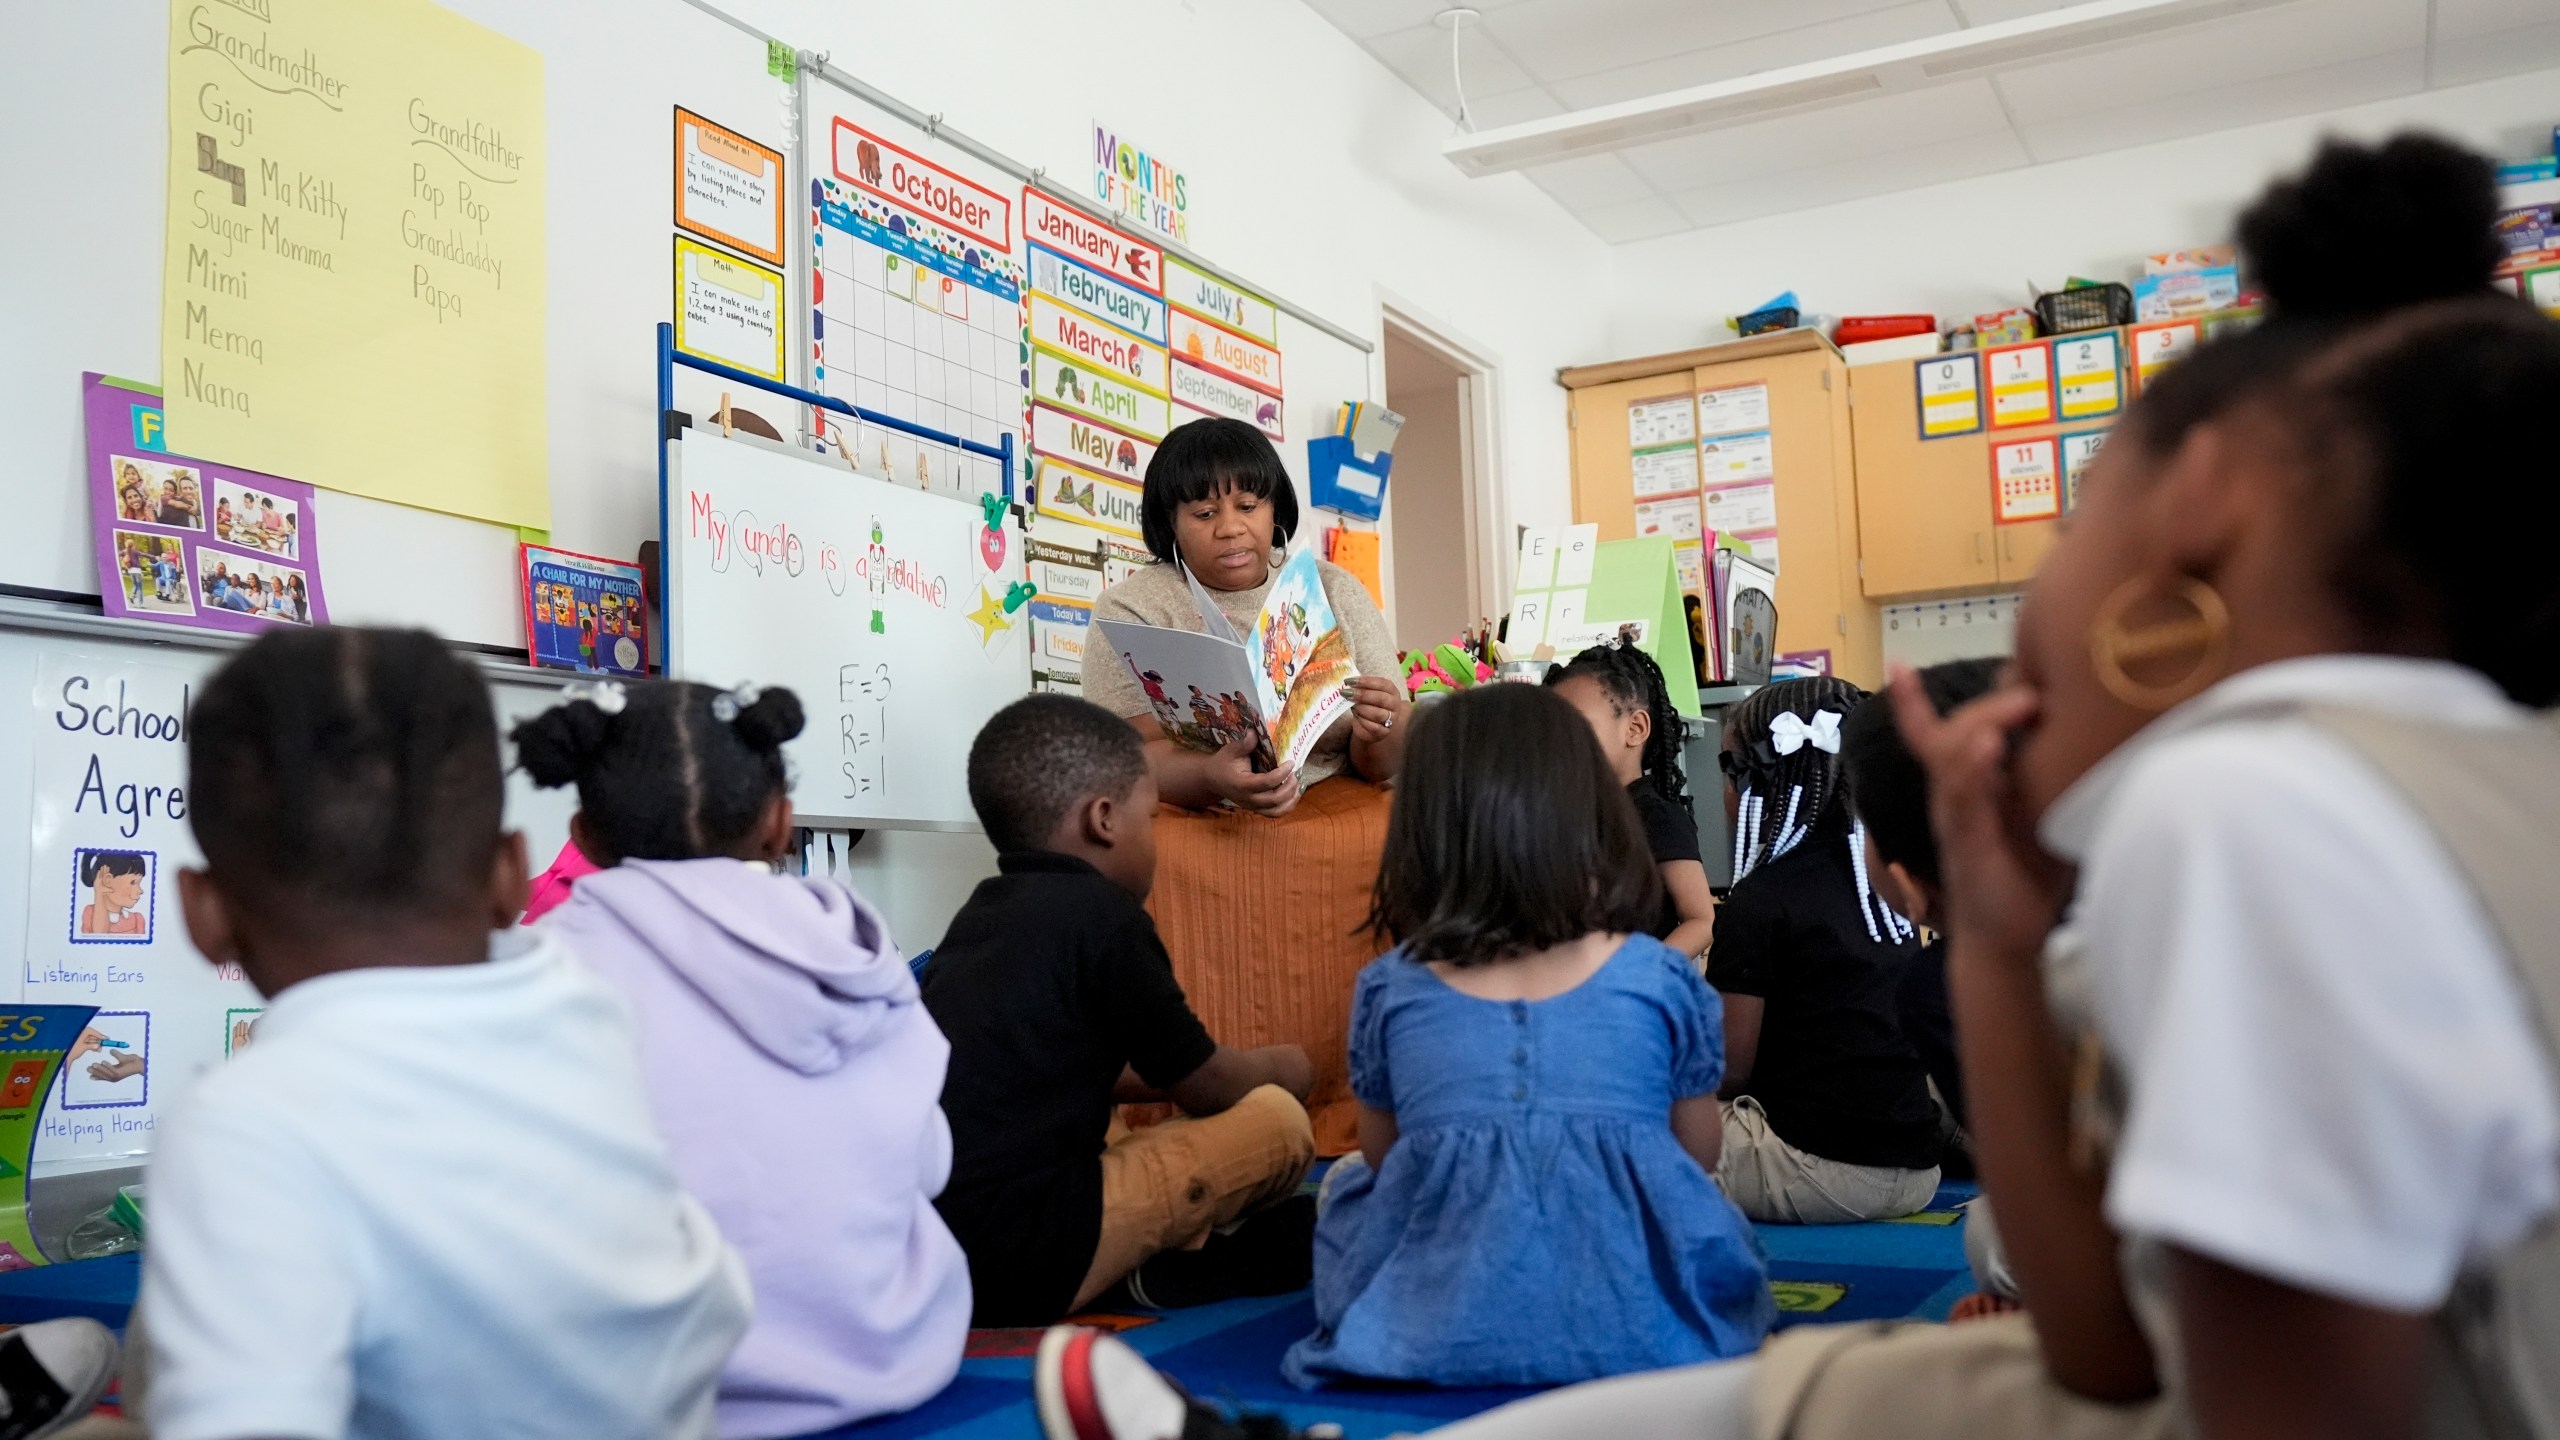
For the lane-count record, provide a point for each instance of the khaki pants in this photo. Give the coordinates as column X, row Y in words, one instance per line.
column 1167, row 1186
column 1899, row 1380
column 1770, row 1179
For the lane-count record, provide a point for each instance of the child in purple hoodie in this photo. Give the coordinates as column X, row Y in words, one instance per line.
column 791, row 1066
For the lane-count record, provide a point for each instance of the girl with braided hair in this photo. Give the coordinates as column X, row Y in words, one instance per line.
column 788, row 1057
column 1619, row 689
column 1829, row 1117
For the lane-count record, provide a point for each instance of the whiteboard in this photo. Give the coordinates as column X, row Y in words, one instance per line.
column 173, row 1009
column 881, row 605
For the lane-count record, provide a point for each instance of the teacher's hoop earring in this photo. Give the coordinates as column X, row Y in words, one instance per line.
column 2115, row 646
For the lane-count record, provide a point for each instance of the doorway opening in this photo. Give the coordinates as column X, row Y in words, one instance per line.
column 1440, row 574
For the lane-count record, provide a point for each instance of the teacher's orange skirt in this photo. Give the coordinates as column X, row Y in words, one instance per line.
column 1262, row 919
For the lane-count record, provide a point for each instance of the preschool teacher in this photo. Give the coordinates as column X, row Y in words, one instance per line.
column 1262, row 879
column 1218, row 501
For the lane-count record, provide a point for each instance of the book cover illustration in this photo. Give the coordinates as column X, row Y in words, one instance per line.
column 583, row 612
column 1279, row 687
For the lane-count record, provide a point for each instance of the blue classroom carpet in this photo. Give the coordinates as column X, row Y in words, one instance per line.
column 1823, row 1274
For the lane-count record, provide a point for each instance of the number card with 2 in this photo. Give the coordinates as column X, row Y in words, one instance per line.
column 2089, row 374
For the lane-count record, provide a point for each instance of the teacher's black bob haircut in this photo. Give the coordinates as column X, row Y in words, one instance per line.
column 1204, row 460
column 1509, row 834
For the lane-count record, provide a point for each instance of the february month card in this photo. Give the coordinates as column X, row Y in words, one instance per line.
column 584, row 612
column 187, row 541
column 1279, row 687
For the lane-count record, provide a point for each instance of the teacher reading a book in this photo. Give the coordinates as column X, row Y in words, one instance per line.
column 1262, row 877
column 1218, row 503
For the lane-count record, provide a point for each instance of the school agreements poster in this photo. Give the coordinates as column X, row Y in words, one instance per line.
column 108, row 835
column 353, row 277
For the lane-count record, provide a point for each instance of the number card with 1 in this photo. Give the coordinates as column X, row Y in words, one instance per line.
column 2021, row 380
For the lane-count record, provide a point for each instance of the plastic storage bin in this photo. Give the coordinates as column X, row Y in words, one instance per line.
column 2090, row 307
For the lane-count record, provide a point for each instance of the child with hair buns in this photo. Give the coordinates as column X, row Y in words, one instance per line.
column 789, row 1059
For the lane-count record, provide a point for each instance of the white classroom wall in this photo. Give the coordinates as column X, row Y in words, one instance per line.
column 1314, row 172
column 1972, row 245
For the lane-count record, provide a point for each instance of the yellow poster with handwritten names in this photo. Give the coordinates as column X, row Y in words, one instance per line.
column 353, row 292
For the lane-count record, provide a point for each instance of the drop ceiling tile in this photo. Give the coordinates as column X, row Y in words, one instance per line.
column 1633, row 220
column 1821, row 137
column 2274, row 97
column 2210, row 60
column 1421, row 58
column 2512, row 51
column 1579, row 185
column 1915, row 20
column 1559, row 39
column 1855, row 177
column 2469, row 19
column 1362, row 19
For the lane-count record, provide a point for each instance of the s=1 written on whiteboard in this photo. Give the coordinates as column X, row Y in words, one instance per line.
column 895, row 614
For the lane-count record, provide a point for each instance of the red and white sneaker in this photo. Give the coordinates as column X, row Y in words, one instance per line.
column 1091, row 1386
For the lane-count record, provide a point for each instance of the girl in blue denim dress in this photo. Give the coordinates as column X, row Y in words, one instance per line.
column 1533, row 1202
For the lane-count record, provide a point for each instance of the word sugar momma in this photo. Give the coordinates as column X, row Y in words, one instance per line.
column 87, row 710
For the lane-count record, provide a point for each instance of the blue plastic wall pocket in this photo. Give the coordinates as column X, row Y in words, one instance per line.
column 1342, row 481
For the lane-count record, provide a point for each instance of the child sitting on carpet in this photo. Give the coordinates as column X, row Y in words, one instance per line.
column 1830, row 1118
column 1889, row 793
column 790, row 1062
column 1533, row 1201
column 1060, row 1000
column 1619, row 690
column 429, row 1199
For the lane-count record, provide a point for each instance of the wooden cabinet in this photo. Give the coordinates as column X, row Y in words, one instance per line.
column 1821, row 604
column 1925, row 507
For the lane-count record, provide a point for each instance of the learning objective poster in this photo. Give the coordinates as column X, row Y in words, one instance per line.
column 109, row 833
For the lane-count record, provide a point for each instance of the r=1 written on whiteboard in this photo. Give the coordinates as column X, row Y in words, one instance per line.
column 862, row 729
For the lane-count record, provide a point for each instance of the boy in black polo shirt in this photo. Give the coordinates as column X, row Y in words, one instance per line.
column 1059, row 1001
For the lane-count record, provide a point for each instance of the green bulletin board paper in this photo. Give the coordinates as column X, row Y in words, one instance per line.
column 33, row 1040
column 1636, row 580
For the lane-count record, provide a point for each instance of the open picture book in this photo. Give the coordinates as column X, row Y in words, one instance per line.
column 1279, row 687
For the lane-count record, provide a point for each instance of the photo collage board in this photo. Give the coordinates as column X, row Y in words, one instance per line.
column 188, row 542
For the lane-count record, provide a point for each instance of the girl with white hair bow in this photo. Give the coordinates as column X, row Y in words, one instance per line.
column 1828, row 1114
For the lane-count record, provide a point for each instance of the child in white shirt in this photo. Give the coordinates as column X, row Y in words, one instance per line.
column 429, row 1200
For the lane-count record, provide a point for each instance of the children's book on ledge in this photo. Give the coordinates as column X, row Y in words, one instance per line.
column 1279, row 687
